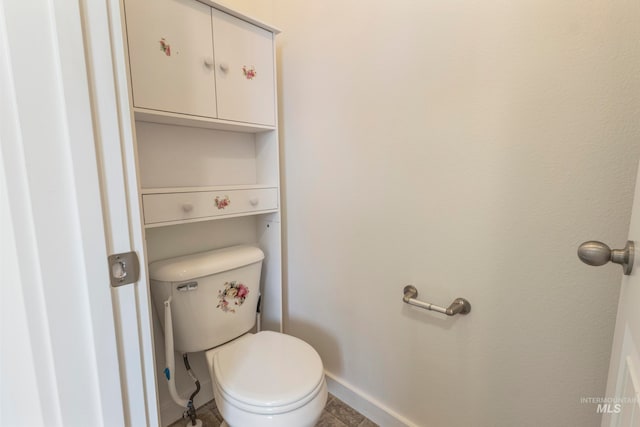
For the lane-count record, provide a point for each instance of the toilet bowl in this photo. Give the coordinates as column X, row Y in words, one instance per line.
column 267, row 379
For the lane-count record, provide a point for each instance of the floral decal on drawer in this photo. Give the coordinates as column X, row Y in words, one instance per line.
column 249, row 72
column 233, row 294
column 222, row 203
column 165, row 47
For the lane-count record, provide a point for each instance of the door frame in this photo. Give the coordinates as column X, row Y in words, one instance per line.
column 68, row 177
column 625, row 357
column 104, row 35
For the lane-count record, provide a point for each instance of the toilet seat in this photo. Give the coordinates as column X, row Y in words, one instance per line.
column 268, row 373
column 270, row 410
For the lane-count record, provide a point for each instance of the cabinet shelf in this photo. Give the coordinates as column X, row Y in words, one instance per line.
column 209, row 218
column 168, row 118
column 165, row 190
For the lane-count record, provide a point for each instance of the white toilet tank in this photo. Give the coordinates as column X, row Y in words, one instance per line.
column 214, row 295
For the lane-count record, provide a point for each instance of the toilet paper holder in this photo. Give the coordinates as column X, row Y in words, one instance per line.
column 458, row 306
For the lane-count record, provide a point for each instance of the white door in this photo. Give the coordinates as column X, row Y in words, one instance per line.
column 74, row 350
column 621, row 408
column 171, row 54
column 244, row 70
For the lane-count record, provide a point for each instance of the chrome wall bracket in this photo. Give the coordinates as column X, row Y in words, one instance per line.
column 458, row 306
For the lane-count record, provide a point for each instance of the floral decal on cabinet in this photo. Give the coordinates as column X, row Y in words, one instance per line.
column 222, row 203
column 233, row 294
column 165, row 47
column 249, row 72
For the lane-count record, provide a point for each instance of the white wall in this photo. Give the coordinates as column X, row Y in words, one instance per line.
column 467, row 148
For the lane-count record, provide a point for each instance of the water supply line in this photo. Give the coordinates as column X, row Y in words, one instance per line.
column 169, row 371
column 258, row 316
column 191, row 410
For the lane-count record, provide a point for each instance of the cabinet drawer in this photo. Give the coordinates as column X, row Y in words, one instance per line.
column 168, row 207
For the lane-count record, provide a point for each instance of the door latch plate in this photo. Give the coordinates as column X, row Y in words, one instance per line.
column 124, row 268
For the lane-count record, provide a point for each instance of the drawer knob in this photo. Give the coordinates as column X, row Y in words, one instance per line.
column 187, row 207
column 254, row 201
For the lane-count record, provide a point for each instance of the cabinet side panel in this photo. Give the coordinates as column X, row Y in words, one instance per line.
column 268, row 231
column 267, row 155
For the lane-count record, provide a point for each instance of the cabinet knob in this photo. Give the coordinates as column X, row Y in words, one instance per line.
column 224, row 67
column 208, row 61
column 254, row 201
column 187, row 207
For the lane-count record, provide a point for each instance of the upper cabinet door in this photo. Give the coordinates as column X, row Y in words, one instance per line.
column 244, row 70
column 171, row 56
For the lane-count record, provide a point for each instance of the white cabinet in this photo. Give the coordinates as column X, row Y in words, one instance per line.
column 244, row 70
column 188, row 59
column 197, row 66
column 171, row 56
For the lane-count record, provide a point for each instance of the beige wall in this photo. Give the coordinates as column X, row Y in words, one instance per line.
column 468, row 148
column 262, row 10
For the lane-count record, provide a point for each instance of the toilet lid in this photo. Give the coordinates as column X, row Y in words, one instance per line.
column 268, row 369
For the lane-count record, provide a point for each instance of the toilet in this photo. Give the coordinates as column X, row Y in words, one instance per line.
column 262, row 379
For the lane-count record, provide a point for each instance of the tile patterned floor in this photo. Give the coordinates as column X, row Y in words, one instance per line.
column 336, row 414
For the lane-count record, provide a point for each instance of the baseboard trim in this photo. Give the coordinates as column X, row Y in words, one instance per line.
column 365, row 404
column 351, row 395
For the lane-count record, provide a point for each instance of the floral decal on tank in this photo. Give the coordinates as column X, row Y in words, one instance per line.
column 232, row 295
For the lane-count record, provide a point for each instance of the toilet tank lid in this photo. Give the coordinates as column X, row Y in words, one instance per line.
column 204, row 263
